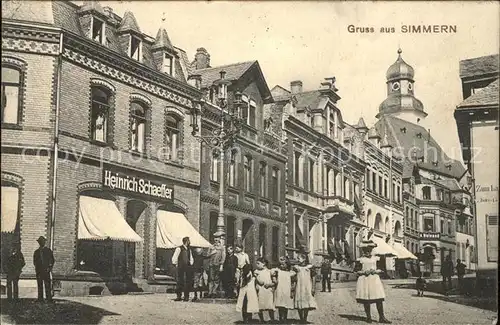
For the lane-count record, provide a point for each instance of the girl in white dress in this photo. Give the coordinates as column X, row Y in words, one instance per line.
column 265, row 286
column 369, row 288
column 248, row 302
column 283, row 298
column 304, row 291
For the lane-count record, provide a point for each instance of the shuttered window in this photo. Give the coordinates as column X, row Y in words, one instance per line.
column 492, row 238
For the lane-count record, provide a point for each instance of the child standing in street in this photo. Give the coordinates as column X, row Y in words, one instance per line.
column 198, row 282
column 420, row 285
column 326, row 275
column 304, row 292
column 248, row 302
column 283, row 297
column 243, row 260
column 369, row 288
column 264, row 288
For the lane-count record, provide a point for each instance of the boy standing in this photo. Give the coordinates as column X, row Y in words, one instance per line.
column 420, row 285
column 326, row 275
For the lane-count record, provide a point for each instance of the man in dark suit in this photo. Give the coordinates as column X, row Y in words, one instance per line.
column 43, row 259
column 14, row 267
column 183, row 260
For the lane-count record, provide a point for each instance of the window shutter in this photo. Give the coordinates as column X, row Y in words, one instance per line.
column 492, row 238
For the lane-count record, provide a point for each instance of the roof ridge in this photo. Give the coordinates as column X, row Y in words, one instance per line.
column 227, row 65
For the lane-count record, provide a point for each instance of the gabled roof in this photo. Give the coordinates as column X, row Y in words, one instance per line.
column 129, row 23
column 479, row 66
column 234, row 72
column 279, row 93
column 162, row 41
column 488, row 96
column 308, row 99
column 407, row 139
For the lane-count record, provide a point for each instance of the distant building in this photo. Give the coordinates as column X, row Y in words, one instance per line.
column 254, row 165
column 477, row 123
column 97, row 152
column 436, row 191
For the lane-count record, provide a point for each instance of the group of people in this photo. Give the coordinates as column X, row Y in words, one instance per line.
column 43, row 260
column 283, row 288
column 448, row 270
column 216, row 268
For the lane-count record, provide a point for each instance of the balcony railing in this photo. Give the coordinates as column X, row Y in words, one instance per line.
column 339, row 203
column 428, row 235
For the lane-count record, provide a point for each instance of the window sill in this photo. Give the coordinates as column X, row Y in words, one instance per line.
column 101, row 144
column 10, row 126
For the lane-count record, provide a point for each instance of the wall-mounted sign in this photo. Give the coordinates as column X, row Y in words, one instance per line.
column 136, row 183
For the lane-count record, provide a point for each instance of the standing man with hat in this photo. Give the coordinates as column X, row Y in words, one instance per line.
column 43, row 259
column 183, row 260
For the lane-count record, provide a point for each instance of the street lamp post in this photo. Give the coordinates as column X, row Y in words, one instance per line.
column 221, row 137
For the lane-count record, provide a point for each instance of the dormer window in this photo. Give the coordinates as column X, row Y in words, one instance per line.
column 168, row 66
column 135, row 48
column 419, row 135
column 403, row 130
column 98, row 29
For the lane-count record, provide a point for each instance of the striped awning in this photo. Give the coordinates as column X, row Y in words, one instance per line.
column 382, row 247
column 10, row 203
column 100, row 219
column 403, row 253
column 171, row 227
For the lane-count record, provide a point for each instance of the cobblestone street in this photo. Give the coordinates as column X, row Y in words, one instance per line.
column 338, row 307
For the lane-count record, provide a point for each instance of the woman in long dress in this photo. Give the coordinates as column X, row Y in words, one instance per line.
column 248, row 302
column 369, row 288
column 304, row 298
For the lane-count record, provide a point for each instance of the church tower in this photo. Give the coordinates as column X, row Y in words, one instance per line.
column 401, row 101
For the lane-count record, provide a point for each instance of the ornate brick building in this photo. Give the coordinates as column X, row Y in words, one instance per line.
column 97, row 152
column 253, row 178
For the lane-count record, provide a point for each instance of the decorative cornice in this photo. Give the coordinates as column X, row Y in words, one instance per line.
column 125, row 69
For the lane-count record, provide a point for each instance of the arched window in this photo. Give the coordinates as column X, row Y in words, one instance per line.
column 416, row 219
column 173, row 136
column 275, row 184
column 369, row 218
column 10, row 220
column 100, row 114
column 263, row 178
column 138, row 126
column 231, row 173
column 378, row 222
column 11, row 95
column 411, row 219
column 297, row 169
column 387, row 226
column 426, row 192
column 397, row 230
column 214, row 167
column 248, row 170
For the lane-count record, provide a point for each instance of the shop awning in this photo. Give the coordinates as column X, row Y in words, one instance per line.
column 100, row 219
column 171, row 227
column 10, row 201
column 403, row 253
column 382, row 247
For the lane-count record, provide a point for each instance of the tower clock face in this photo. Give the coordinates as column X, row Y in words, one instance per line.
column 395, row 86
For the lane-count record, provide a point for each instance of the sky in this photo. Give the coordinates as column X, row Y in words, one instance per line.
column 309, row 40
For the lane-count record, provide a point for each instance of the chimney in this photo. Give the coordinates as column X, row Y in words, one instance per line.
column 296, row 86
column 201, row 59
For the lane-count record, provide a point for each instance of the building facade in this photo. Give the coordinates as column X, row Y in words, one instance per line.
column 477, row 122
column 324, row 180
column 97, row 152
column 254, row 165
column 435, row 186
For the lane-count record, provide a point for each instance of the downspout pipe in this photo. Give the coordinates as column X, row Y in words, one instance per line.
column 56, row 142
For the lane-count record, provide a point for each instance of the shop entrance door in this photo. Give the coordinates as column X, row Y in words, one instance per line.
column 135, row 216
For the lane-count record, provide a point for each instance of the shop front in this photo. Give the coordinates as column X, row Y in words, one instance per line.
column 127, row 226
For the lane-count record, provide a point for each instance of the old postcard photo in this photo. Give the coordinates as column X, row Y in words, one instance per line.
column 249, row 162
